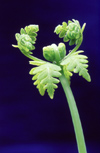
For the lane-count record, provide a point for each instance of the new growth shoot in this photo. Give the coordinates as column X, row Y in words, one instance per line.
column 58, row 66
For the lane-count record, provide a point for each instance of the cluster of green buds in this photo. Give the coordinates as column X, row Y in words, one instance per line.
column 71, row 32
column 26, row 38
column 54, row 53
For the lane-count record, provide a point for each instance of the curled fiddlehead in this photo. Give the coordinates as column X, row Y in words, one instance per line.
column 26, row 38
column 54, row 53
column 71, row 32
column 73, row 62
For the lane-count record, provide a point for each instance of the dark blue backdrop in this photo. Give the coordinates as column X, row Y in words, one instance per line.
column 25, row 116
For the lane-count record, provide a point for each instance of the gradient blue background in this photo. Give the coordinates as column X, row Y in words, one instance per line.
column 30, row 123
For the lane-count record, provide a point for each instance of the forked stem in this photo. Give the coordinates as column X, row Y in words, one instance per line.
column 74, row 114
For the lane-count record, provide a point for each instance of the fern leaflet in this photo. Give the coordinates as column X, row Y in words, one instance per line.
column 46, row 77
column 77, row 63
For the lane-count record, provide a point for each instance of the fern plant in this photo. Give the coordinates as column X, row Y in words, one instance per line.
column 57, row 66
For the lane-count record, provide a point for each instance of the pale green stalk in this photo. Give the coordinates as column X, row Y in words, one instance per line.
column 74, row 114
column 31, row 56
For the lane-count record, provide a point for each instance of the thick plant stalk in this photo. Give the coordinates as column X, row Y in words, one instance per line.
column 74, row 114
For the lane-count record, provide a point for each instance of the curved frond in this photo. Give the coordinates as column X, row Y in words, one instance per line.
column 46, row 77
column 77, row 63
column 27, row 38
column 70, row 31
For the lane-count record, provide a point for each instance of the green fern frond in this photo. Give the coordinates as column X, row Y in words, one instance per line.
column 77, row 63
column 46, row 77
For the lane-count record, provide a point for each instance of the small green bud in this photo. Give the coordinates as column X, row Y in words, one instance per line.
column 72, row 42
column 62, row 33
column 54, row 53
column 62, row 50
column 74, row 31
column 69, row 21
column 17, row 35
column 66, row 39
column 48, row 53
column 58, row 29
column 22, row 31
column 61, row 29
column 31, row 29
column 25, row 42
column 64, row 24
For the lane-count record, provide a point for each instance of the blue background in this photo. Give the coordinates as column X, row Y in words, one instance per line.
column 31, row 123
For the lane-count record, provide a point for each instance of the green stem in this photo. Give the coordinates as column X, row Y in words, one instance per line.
column 75, row 115
column 31, row 57
column 77, row 46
